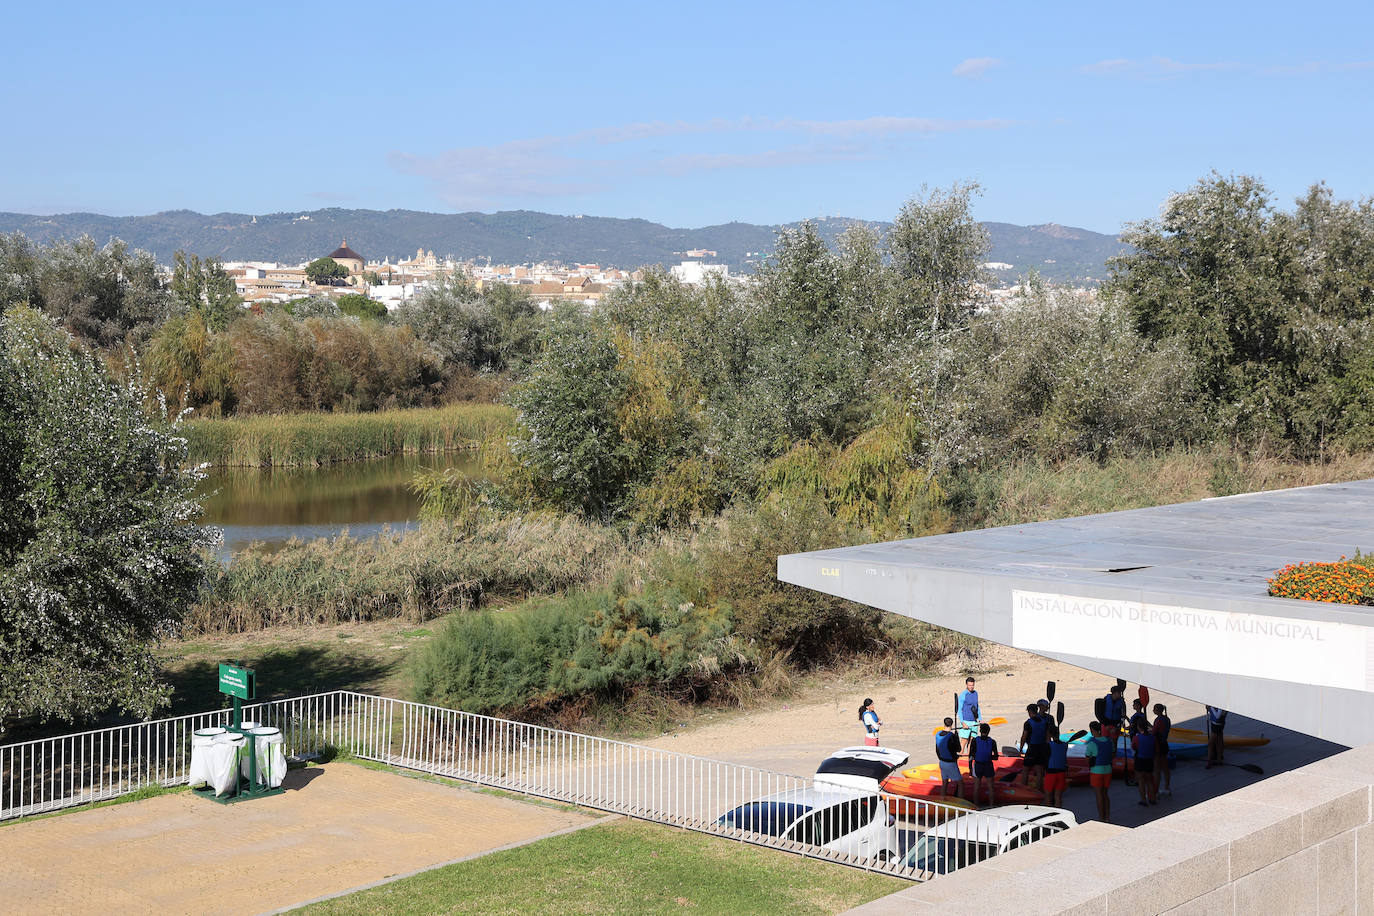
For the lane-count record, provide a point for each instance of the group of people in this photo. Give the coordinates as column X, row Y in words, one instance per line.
column 1045, row 750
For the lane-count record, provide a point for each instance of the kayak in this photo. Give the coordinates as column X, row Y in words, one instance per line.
column 924, row 782
column 1177, row 748
column 907, row 798
column 1194, row 736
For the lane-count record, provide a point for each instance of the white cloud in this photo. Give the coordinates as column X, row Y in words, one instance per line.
column 974, row 67
column 592, row 160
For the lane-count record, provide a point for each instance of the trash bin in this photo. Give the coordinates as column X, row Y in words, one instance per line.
column 224, row 761
column 201, row 741
column 271, row 756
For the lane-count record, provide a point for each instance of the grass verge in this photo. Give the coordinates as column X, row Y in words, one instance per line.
column 144, row 793
column 288, row 440
column 626, row 867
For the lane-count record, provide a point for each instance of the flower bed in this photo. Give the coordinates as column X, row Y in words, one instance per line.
column 1344, row 582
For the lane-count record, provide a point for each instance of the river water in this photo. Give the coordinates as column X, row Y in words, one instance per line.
column 272, row 506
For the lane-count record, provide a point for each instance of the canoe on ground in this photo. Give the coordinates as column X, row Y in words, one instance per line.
column 924, row 782
column 1194, row 736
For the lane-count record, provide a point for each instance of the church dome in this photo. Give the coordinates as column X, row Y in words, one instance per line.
column 343, row 252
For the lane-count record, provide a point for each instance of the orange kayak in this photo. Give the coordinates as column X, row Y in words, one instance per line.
column 1194, row 736
column 924, row 782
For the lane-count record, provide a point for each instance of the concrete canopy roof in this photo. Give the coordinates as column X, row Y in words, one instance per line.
column 1175, row 597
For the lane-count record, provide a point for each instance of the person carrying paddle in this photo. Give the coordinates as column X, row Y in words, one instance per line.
column 981, row 757
column 1163, row 768
column 1035, row 744
column 869, row 717
column 1099, row 751
column 968, row 715
column 1113, row 714
column 947, row 749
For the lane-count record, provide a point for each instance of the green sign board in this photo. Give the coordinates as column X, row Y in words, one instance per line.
column 237, row 682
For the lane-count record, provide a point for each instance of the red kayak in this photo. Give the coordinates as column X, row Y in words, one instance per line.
column 924, row 782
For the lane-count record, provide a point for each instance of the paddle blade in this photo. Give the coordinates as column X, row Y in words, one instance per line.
column 956, row 707
column 1144, row 694
column 1250, row 768
column 1121, row 682
column 1076, row 735
column 1049, row 691
column 999, row 720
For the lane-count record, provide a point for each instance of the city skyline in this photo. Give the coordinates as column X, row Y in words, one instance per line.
column 688, row 117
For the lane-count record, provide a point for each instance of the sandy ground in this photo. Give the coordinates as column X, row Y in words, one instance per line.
column 794, row 737
column 338, row 827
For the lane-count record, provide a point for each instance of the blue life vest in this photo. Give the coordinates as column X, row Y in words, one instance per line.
column 1059, row 756
column 1145, row 745
column 947, row 746
column 1038, row 728
column 968, row 706
column 983, row 748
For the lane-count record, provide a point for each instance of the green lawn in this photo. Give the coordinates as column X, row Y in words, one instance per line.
column 625, row 867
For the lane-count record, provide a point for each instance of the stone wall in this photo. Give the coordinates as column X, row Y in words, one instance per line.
column 1296, row 843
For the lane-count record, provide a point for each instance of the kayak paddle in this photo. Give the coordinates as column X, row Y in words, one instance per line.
column 1000, row 720
column 1049, row 691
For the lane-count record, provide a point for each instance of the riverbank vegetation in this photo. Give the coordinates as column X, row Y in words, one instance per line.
column 303, row 439
column 662, row 448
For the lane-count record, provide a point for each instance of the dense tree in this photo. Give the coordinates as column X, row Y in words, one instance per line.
column 104, row 296
column 1271, row 305
column 494, row 329
column 937, row 250
column 203, row 286
column 326, row 272
column 361, row 307
column 99, row 553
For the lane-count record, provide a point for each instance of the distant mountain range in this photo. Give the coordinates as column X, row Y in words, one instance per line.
column 1059, row 253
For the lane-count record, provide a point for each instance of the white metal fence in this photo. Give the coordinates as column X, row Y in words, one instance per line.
column 853, row 827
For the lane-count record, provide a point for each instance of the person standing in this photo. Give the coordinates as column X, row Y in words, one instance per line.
column 1216, row 735
column 968, row 716
column 947, row 752
column 1145, row 775
column 1163, row 767
column 1099, row 751
column 869, row 717
column 1056, row 770
column 981, row 756
column 1035, row 746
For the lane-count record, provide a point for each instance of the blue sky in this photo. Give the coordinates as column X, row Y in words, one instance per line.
column 686, row 114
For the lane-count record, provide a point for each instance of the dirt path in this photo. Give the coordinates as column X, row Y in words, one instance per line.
column 338, row 827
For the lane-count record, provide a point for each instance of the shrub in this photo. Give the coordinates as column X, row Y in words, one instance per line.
column 589, row 645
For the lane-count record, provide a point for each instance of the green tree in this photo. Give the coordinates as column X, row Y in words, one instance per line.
column 103, row 295
column 326, row 272
column 568, row 431
column 203, row 286
column 99, row 555
column 937, row 251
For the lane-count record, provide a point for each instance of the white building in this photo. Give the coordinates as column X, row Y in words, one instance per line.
column 695, row 273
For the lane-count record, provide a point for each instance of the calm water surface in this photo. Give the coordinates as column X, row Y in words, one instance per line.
column 274, row 506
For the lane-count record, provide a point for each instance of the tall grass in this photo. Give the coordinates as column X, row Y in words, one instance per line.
column 416, row 576
column 287, row 440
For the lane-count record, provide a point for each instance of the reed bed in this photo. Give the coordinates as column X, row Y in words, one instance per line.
column 439, row 568
column 308, row 439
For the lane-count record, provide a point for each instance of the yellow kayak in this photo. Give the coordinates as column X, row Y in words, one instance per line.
column 1196, row 736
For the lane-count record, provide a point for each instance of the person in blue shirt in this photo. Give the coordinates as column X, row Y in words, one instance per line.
column 1146, row 776
column 1035, row 746
column 1056, row 770
column 982, row 754
column 1099, row 751
column 968, row 716
column 947, row 749
column 869, row 717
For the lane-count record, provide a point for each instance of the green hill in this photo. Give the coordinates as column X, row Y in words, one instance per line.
column 515, row 237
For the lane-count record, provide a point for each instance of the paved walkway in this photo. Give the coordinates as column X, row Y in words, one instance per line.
column 338, row 827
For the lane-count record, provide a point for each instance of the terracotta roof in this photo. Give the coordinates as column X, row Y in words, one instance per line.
column 343, row 251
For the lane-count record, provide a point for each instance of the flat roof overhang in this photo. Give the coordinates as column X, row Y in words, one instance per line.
column 1173, row 597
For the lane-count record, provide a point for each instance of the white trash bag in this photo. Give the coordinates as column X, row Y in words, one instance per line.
column 271, row 756
column 201, row 742
column 224, row 765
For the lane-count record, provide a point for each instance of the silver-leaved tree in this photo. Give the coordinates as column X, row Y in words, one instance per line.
column 99, row 550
